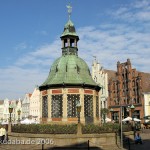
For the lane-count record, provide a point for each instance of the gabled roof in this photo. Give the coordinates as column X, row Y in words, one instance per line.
column 111, row 74
column 145, row 81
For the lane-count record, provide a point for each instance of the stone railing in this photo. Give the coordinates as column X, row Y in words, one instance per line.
column 102, row 141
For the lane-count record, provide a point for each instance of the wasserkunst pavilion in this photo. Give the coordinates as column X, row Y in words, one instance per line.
column 69, row 84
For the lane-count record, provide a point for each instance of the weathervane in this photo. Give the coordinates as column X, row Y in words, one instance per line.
column 69, row 10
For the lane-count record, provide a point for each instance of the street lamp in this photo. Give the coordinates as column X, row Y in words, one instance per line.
column 19, row 112
column 79, row 128
column 132, row 113
column 78, row 106
column 10, row 112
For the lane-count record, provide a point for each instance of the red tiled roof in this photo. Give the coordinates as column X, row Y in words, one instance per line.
column 111, row 74
column 30, row 95
column 1, row 102
column 145, row 81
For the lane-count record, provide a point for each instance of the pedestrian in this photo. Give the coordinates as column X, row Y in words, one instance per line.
column 3, row 130
column 1, row 134
column 138, row 139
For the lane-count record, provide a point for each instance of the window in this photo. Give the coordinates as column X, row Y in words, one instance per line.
column 57, row 106
column 45, row 106
column 97, row 106
column 72, row 100
column 88, row 105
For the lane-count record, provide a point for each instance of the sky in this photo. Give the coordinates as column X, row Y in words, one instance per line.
column 111, row 30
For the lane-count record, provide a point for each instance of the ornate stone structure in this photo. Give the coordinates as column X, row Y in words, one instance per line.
column 68, row 84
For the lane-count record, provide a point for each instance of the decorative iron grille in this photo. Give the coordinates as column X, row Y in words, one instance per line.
column 88, row 105
column 45, row 106
column 97, row 106
column 72, row 100
column 57, row 106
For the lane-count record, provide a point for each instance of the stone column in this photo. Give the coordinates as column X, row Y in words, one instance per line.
column 75, row 43
column 99, row 101
column 49, row 105
column 82, row 117
column 63, row 44
column 64, row 118
column 94, row 108
column 41, row 106
column 68, row 41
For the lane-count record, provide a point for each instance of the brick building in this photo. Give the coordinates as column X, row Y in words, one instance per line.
column 126, row 87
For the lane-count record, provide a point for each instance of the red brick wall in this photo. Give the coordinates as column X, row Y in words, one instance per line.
column 88, row 91
column 44, row 92
column 58, row 91
column 73, row 90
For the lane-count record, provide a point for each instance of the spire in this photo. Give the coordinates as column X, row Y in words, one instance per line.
column 69, row 37
column 69, row 28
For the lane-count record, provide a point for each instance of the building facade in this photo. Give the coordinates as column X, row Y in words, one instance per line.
column 35, row 105
column 125, row 89
column 6, row 111
column 16, row 105
column 26, row 106
column 100, row 77
column 146, row 103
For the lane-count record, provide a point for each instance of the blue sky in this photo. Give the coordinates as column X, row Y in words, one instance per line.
column 30, row 37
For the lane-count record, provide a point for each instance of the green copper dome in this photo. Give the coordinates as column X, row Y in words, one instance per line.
column 69, row 69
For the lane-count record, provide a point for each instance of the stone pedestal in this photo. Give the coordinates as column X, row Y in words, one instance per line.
column 79, row 129
column 9, row 127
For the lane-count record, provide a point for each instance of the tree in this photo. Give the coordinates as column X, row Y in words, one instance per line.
column 104, row 112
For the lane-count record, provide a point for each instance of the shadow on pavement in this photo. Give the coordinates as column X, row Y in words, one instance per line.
column 82, row 146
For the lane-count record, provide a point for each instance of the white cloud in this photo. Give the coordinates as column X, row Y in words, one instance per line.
column 15, row 81
column 21, row 46
column 41, row 56
column 136, row 11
